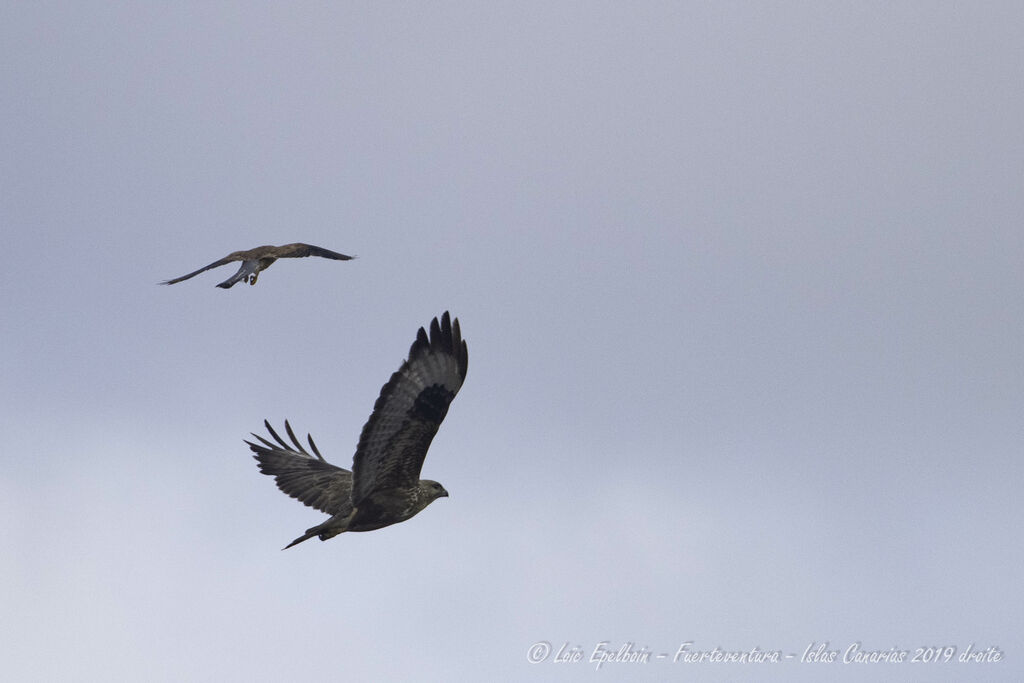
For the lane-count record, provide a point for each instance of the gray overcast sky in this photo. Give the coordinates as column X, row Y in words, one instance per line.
column 741, row 282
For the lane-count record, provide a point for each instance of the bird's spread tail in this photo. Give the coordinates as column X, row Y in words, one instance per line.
column 247, row 269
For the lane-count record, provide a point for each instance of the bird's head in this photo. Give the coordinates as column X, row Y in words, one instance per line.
column 432, row 489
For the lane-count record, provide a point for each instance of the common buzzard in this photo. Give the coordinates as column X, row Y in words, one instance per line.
column 261, row 258
column 384, row 486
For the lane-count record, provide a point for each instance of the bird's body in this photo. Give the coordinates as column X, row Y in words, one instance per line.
column 261, row 258
column 383, row 487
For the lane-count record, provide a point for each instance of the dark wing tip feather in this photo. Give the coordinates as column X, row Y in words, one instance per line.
column 312, row 445
column 459, row 348
column 436, row 335
column 302, row 249
column 445, row 337
column 277, row 438
column 281, row 443
column 421, row 343
column 291, row 435
column 440, row 337
column 263, row 441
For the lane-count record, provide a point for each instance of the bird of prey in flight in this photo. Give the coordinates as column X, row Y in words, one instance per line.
column 384, row 485
column 261, row 258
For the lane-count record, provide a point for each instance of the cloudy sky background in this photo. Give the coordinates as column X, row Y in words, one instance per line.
column 742, row 287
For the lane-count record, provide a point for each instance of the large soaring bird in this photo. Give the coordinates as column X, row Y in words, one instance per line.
column 261, row 258
column 384, row 485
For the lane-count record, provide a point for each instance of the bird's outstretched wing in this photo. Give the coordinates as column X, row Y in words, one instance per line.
column 298, row 250
column 308, row 478
column 409, row 410
column 227, row 259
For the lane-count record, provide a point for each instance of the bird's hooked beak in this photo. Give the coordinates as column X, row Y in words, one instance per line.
column 444, row 493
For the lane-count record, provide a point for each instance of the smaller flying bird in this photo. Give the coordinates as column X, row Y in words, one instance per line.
column 384, row 486
column 261, row 258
